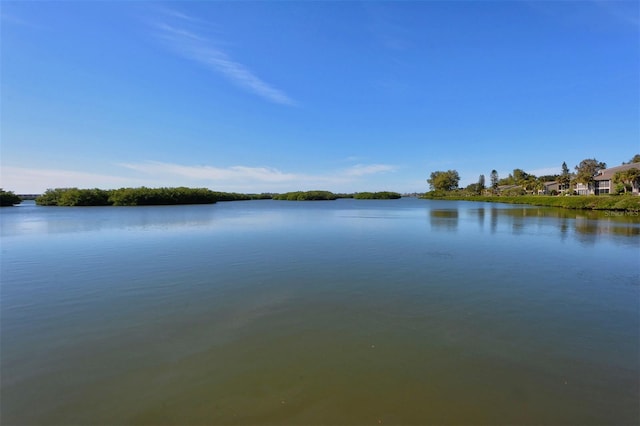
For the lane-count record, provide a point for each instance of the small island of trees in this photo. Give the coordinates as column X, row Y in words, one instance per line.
column 8, row 198
column 143, row 196
column 126, row 197
column 306, row 196
column 383, row 195
column 328, row 195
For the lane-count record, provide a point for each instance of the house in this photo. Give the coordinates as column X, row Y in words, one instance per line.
column 554, row 187
column 603, row 181
column 549, row 187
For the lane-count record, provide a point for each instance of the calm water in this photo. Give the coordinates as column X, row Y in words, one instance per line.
column 345, row 312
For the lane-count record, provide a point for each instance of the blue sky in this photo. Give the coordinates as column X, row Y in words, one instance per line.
column 281, row 96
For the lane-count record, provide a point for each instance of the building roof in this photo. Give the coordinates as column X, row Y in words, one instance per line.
column 607, row 174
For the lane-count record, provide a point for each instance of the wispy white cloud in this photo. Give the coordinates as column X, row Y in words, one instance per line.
column 177, row 14
column 262, row 174
column 155, row 174
column 255, row 179
column 27, row 180
column 177, row 32
column 368, row 169
column 187, row 42
column 209, row 173
column 354, row 158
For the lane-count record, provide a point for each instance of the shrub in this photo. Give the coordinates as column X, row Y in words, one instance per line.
column 125, row 196
column 306, row 196
column 383, row 195
column 512, row 192
column 8, row 198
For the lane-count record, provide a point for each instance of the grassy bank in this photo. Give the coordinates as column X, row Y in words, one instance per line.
column 586, row 202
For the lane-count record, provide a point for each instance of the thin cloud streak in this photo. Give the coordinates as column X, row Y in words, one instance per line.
column 368, row 169
column 157, row 174
column 24, row 180
column 256, row 179
column 263, row 174
column 195, row 47
column 177, row 32
column 175, row 14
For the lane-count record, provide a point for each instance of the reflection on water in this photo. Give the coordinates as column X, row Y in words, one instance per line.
column 29, row 219
column 585, row 226
column 32, row 219
column 344, row 312
column 480, row 214
column 444, row 219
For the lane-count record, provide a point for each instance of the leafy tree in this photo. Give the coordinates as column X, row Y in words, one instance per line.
column 444, row 181
column 83, row 197
column 520, row 177
column 8, row 198
column 565, row 177
column 620, row 188
column 494, row 181
column 481, row 186
column 472, row 189
column 50, row 197
column 125, row 196
column 531, row 183
column 509, row 180
column 587, row 169
column 537, row 185
column 548, row 178
column 626, row 178
column 634, row 159
column 234, row 196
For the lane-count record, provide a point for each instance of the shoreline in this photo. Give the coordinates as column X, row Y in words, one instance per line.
column 622, row 203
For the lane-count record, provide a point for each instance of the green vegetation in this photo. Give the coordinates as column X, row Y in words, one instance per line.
column 327, row 195
column 564, row 180
column 126, row 196
column 634, row 159
column 8, row 198
column 521, row 187
column 306, row 196
column 625, row 178
column 587, row 169
column 181, row 195
column 494, row 181
column 383, row 195
column 591, row 202
column 74, row 197
column 444, row 181
column 477, row 188
column 161, row 196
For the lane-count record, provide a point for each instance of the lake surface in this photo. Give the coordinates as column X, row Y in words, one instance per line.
column 332, row 312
